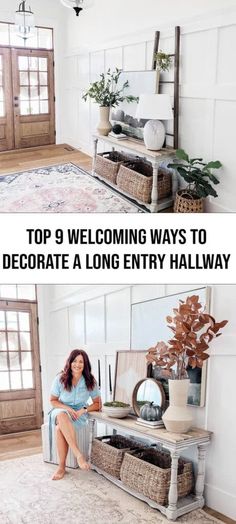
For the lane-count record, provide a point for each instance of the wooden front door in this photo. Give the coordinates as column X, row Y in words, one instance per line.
column 33, row 97
column 6, row 108
column 20, row 381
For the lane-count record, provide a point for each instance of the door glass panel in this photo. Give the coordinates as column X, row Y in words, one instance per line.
column 27, row 379
column 43, row 93
column 24, row 93
column 34, row 108
column 3, row 342
column 34, row 94
column 12, row 320
column 23, row 63
column 24, row 108
column 24, row 322
column 3, row 362
column 43, row 79
column 25, row 342
column 34, row 79
column 14, row 360
column 2, row 320
column 26, row 360
column 33, row 63
column 43, row 64
column 24, row 79
column 15, row 377
column 13, row 342
column 4, row 381
column 1, row 93
column 44, row 106
column 2, row 112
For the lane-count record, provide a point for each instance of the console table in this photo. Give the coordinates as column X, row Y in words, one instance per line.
column 155, row 157
column 175, row 443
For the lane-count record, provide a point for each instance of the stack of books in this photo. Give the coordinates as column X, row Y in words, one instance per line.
column 150, row 424
column 120, row 136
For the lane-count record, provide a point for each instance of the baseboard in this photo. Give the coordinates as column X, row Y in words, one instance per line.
column 220, row 501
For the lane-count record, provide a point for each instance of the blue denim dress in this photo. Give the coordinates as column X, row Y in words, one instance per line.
column 75, row 399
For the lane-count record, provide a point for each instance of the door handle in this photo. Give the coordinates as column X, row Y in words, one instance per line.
column 16, row 105
column 16, row 98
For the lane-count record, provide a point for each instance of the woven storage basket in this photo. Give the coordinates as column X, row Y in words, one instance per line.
column 187, row 205
column 136, row 179
column 153, row 479
column 108, row 452
column 107, row 164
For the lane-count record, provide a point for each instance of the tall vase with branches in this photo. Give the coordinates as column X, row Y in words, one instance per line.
column 193, row 330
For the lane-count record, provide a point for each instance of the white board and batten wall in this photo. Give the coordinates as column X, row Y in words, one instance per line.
column 98, row 319
column 207, row 73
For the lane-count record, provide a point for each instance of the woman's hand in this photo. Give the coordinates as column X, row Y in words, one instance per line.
column 72, row 412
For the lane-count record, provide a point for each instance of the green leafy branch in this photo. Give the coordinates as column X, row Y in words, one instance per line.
column 105, row 91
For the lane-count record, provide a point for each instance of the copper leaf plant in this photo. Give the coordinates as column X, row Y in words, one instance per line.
column 193, row 331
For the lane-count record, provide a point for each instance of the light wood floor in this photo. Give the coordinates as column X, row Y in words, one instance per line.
column 23, row 159
column 29, row 443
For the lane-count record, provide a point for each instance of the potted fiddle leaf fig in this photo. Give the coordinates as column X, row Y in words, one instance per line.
column 199, row 178
column 193, row 331
column 107, row 94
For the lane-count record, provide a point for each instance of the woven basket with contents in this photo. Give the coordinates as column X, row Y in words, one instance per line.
column 108, row 452
column 148, row 471
column 135, row 177
column 107, row 164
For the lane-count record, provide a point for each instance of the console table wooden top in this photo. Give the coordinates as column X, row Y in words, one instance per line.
column 136, row 146
column 194, row 436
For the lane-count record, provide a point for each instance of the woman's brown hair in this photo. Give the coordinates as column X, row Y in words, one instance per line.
column 66, row 376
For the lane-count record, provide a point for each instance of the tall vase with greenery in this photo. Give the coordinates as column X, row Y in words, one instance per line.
column 107, row 93
column 194, row 330
column 199, row 178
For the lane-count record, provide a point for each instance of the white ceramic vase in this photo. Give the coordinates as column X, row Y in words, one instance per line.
column 177, row 418
column 104, row 126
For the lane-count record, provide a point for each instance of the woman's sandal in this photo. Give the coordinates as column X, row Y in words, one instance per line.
column 82, row 462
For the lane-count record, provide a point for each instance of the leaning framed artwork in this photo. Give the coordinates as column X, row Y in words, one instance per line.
column 131, row 366
column 149, row 326
column 139, row 82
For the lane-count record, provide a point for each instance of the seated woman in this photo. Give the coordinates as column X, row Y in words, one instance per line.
column 70, row 392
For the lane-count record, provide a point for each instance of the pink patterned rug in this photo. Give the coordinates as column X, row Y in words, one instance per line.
column 62, row 188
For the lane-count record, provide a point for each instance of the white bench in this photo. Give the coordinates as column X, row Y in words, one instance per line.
column 71, row 462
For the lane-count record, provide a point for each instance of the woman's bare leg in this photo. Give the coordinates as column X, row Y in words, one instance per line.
column 68, row 431
column 62, row 448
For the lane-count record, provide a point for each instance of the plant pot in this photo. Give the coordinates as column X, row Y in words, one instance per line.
column 187, row 202
column 118, row 412
column 104, row 126
column 177, row 418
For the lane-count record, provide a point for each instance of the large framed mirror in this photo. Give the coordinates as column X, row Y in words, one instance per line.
column 148, row 390
column 149, row 326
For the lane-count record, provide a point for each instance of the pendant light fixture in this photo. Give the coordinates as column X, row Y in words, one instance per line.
column 77, row 5
column 24, row 21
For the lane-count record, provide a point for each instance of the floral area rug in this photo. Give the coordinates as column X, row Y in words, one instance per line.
column 62, row 188
column 28, row 495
